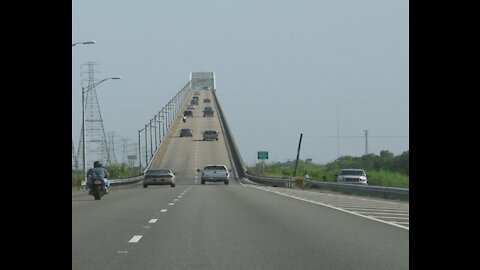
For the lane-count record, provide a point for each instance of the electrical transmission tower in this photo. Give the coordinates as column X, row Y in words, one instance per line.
column 74, row 158
column 125, row 153
column 111, row 143
column 96, row 141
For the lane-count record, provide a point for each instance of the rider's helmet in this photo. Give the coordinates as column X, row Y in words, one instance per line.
column 97, row 164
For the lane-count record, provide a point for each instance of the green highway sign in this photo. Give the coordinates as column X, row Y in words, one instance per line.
column 262, row 154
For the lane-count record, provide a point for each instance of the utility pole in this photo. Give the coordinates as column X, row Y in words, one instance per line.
column 298, row 154
column 366, row 141
column 338, row 136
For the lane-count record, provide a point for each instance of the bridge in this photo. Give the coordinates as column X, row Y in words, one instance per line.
column 252, row 223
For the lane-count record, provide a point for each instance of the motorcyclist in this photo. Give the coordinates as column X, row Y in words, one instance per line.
column 184, row 118
column 97, row 172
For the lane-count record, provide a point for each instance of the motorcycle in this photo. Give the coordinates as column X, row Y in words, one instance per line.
column 97, row 189
column 184, row 119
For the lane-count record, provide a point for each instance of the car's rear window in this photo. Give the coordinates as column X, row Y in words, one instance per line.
column 159, row 171
column 216, row 168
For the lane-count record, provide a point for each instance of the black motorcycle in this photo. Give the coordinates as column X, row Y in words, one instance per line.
column 97, row 189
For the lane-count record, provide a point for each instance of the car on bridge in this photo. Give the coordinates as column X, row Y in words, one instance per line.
column 188, row 113
column 207, row 100
column 186, row 132
column 210, row 135
column 215, row 173
column 208, row 111
column 159, row 176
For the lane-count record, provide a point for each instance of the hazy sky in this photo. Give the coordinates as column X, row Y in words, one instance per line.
column 282, row 68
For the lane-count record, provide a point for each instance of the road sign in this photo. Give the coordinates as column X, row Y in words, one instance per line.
column 262, row 154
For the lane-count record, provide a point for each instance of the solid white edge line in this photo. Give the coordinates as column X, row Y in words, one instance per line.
column 305, row 200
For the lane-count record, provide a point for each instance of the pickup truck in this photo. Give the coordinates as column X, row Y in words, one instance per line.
column 215, row 173
column 352, row 176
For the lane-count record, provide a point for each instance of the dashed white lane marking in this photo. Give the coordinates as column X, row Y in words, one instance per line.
column 175, row 200
column 171, row 203
column 122, row 251
column 163, row 210
column 146, row 227
column 179, row 196
column 135, row 238
column 153, row 220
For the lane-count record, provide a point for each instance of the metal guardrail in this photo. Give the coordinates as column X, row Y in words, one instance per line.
column 365, row 190
column 271, row 181
column 126, row 181
column 232, row 149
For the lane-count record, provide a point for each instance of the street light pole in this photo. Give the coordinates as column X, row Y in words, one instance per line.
column 84, row 139
column 146, row 147
column 163, row 123
column 151, row 140
column 159, row 132
column 139, row 149
column 83, row 42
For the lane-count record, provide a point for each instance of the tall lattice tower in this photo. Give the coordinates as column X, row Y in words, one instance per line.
column 74, row 158
column 96, row 141
column 111, row 147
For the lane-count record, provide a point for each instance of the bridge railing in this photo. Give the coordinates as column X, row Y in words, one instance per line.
column 354, row 189
column 126, row 181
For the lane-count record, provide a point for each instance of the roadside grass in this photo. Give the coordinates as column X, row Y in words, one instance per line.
column 320, row 173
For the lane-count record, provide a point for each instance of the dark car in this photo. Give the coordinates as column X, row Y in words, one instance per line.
column 210, row 135
column 194, row 101
column 188, row 113
column 186, row 132
column 160, row 176
column 208, row 111
column 206, row 100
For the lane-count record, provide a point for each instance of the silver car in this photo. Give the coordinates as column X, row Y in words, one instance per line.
column 159, row 176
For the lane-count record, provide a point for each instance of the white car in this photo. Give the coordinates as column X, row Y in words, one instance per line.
column 352, row 176
column 215, row 173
